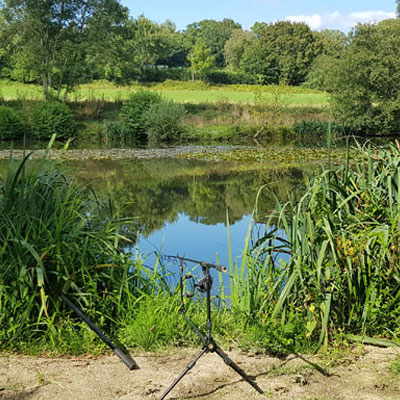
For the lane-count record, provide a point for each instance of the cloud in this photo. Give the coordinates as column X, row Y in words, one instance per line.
column 336, row 20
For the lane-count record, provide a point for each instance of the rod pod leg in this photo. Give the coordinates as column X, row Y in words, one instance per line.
column 187, row 369
column 230, row 363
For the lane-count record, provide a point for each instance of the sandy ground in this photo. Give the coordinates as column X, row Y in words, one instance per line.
column 361, row 377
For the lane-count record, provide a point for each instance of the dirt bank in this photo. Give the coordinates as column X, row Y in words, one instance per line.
column 358, row 376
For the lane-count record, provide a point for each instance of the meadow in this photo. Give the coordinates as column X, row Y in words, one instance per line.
column 181, row 92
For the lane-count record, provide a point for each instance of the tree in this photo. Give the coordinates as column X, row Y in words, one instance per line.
column 366, row 95
column 214, row 34
column 282, row 50
column 235, row 46
column 328, row 45
column 330, row 42
column 322, row 75
column 201, row 59
column 105, row 42
column 51, row 37
column 398, row 8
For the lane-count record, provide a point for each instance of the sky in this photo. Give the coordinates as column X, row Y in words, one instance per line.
column 319, row 14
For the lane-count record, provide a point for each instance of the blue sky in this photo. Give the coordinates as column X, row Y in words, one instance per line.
column 319, row 14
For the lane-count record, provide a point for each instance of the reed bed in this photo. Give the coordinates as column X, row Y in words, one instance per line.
column 54, row 233
column 329, row 263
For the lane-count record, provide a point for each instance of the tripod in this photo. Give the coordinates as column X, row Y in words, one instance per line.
column 209, row 345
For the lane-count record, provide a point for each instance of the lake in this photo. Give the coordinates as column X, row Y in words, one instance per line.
column 184, row 206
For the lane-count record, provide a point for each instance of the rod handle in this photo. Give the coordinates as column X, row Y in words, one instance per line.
column 220, row 268
column 126, row 359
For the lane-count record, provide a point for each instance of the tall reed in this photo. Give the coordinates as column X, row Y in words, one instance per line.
column 342, row 242
column 54, row 231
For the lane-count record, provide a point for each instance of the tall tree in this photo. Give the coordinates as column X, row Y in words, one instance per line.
column 366, row 94
column 330, row 42
column 52, row 38
column 235, row 46
column 282, row 50
column 214, row 34
column 201, row 59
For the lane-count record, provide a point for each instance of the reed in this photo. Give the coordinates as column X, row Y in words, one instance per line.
column 51, row 230
column 341, row 241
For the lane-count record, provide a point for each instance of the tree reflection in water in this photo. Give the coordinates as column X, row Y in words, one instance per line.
column 194, row 196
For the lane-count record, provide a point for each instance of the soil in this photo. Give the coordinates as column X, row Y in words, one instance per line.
column 358, row 375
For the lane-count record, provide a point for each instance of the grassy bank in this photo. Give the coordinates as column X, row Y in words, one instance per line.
column 205, row 122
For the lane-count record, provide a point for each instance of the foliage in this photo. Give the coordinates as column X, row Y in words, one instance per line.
column 228, row 77
column 366, row 94
column 269, row 110
column 162, row 74
column 51, row 37
column 330, row 42
column 333, row 255
column 214, row 35
column 201, row 59
column 11, row 125
column 235, row 47
column 316, row 128
column 133, row 111
column 322, row 74
column 53, row 118
column 163, row 121
column 53, row 231
column 281, row 50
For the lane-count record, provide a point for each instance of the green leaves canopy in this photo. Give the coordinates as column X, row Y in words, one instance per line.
column 52, row 37
column 282, row 50
column 367, row 87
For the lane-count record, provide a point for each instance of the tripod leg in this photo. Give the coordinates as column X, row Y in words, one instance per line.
column 187, row 369
column 236, row 368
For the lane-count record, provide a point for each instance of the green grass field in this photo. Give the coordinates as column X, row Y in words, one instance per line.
column 202, row 93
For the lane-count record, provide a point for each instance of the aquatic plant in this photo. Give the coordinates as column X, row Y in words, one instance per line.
column 341, row 241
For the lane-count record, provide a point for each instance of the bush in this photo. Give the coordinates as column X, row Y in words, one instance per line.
column 11, row 126
column 53, row 118
column 227, row 77
column 316, row 128
column 159, row 74
column 133, row 110
column 163, row 121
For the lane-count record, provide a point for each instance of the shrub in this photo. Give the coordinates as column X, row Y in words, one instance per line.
column 53, row 119
column 227, row 77
column 316, row 128
column 164, row 121
column 11, row 126
column 133, row 110
column 159, row 74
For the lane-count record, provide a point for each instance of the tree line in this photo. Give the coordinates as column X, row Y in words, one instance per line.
column 62, row 43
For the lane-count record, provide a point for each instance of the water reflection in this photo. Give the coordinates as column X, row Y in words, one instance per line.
column 183, row 205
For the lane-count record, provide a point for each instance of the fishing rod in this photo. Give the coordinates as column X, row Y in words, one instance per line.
column 204, row 264
column 123, row 355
